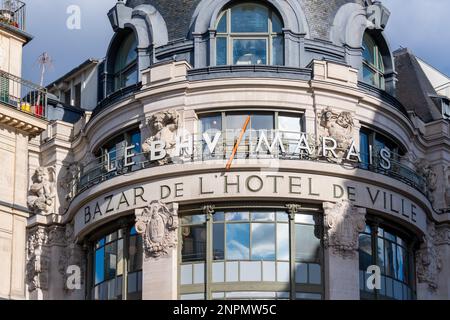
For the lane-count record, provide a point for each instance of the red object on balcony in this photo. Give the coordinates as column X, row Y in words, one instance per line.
column 38, row 111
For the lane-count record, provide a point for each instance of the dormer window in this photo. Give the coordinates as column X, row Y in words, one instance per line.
column 373, row 66
column 125, row 65
column 249, row 34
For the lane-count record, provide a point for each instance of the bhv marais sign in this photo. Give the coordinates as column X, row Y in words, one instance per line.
column 260, row 142
column 277, row 186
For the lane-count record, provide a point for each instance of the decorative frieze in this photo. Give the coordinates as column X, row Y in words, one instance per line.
column 342, row 224
column 158, row 223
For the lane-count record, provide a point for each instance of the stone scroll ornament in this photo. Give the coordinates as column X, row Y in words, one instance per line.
column 163, row 127
column 342, row 224
column 41, row 196
column 338, row 126
column 158, row 224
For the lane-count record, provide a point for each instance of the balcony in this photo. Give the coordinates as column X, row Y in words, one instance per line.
column 23, row 95
column 12, row 14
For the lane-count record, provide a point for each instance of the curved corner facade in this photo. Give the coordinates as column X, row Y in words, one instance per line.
column 243, row 150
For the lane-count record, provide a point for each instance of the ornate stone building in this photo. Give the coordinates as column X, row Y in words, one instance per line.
column 244, row 150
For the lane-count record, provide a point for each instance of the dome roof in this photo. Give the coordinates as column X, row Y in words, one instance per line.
column 178, row 14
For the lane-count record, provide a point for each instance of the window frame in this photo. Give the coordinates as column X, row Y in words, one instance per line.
column 269, row 36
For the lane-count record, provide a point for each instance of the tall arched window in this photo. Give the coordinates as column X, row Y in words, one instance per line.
column 125, row 64
column 249, row 34
column 373, row 66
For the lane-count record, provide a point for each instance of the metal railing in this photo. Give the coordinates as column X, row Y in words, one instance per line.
column 113, row 164
column 12, row 13
column 23, row 95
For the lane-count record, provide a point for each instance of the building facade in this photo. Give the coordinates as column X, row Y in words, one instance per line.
column 244, row 150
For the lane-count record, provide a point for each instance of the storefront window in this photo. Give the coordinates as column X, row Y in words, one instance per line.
column 249, row 34
column 117, row 266
column 393, row 255
column 250, row 247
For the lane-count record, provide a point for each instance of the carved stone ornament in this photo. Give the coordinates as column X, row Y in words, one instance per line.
column 163, row 127
column 71, row 174
column 340, row 127
column 425, row 170
column 37, row 266
column 377, row 16
column 429, row 261
column 158, row 224
column 342, row 224
column 41, row 196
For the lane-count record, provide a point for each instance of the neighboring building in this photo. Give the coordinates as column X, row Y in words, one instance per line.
column 22, row 118
column 244, row 150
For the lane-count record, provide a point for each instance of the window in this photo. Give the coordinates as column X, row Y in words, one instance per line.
column 125, row 65
column 249, row 34
column 67, row 97
column 77, row 102
column 289, row 126
column 393, row 254
column 117, row 266
column 248, row 248
column 373, row 66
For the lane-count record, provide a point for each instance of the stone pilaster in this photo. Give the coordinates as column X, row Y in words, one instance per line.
column 158, row 224
column 342, row 224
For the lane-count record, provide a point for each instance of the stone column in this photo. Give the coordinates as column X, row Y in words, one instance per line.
column 342, row 224
column 158, row 224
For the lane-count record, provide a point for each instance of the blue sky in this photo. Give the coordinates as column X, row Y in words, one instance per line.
column 421, row 25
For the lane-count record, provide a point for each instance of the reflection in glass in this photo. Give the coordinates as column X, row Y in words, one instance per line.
column 249, row 18
column 249, row 51
column 238, row 241
column 237, row 216
column 263, row 216
column 221, row 51
column 263, row 241
column 282, row 241
column 277, row 51
column 307, row 245
column 218, row 241
column 194, row 243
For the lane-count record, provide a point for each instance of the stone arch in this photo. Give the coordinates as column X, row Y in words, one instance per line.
column 350, row 24
column 207, row 12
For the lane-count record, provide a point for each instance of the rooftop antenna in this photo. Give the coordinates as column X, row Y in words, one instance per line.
column 45, row 62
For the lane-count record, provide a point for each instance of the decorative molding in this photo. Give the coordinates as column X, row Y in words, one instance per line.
column 209, row 209
column 428, row 259
column 425, row 170
column 342, row 224
column 71, row 174
column 38, row 261
column 158, row 223
column 41, row 196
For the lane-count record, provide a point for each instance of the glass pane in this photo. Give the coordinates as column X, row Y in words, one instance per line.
column 262, row 121
column 218, row 241
column 232, row 271
column 380, row 255
column 304, row 218
column 369, row 76
column 249, row 18
column 263, row 241
column 120, row 257
column 127, row 53
column 136, row 141
column 269, row 271
column 211, row 123
column 283, row 272
column 100, row 243
column 282, row 216
column 364, row 151
column 307, row 245
column 249, row 51
column 222, row 25
column 130, row 77
column 199, row 273
column 99, row 265
column 186, row 274
column 218, row 272
column 263, row 216
column 301, row 273
column 277, row 25
column 195, row 219
column 221, row 51
column 135, row 254
column 237, row 216
column 238, row 241
column 390, row 258
column 250, row 271
column 111, row 237
column 278, row 51
column 369, row 49
column 282, row 241
column 365, row 251
column 194, row 243
column 111, row 260
column 401, row 264
column 219, row 216
column 314, row 274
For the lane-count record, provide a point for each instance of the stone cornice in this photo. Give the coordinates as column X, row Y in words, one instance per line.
column 22, row 121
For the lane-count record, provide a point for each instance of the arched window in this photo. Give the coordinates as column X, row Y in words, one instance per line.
column 249, row 34
column 373, row 66
column 125, row 64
